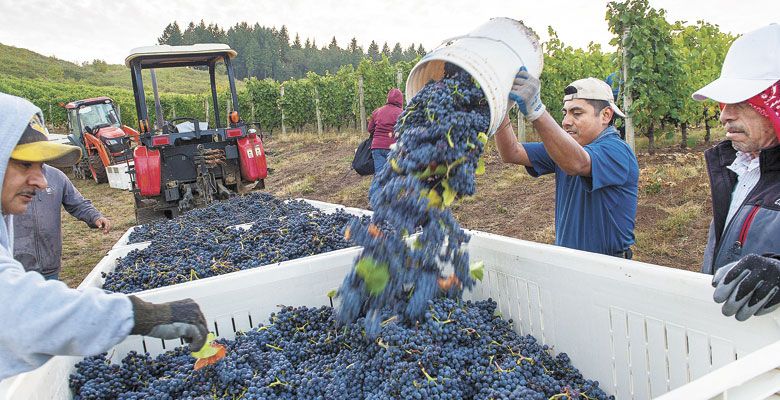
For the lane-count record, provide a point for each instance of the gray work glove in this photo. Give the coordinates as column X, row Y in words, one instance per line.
column 177, row 319
column 526, row 93
column 748, row 287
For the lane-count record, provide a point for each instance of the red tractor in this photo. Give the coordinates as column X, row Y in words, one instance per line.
column 183, row 163
column 94, row 125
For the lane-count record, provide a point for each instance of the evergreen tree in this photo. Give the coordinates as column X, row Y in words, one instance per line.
column 171, row 35
column 386, row 50
column 373, row 51
column 397, row 54
column 410, row 53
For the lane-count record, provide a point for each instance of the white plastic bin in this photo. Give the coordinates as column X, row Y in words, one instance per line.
column 118, row 176
column 641, row 330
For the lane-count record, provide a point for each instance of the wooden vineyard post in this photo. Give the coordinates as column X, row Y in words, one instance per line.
column 361, row 105
column 206, row 107
column 253, row 111
column 317, row 110
column 627, row 98
column 281, row 101
column 227, row 110
column 520, row 126
column 399, row 79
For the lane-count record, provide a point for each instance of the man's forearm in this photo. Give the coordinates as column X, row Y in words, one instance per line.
column 562, row 148
column 508, row 148
column 84, row 211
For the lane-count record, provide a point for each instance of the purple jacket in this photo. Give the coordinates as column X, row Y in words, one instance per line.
column 383, row 120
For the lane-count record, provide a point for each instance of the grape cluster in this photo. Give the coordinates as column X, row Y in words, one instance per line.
column 463, row 350
column 203, row 244
column 441, row 138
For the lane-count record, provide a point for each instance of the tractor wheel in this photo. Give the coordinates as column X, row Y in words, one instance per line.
column 97, row 168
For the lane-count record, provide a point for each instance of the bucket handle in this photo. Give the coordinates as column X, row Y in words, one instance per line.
column 483, row 37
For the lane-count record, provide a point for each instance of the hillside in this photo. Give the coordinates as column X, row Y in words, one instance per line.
column 23, row 63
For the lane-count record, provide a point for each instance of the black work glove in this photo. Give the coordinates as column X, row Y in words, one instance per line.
column 748, row 287
column 177, row 319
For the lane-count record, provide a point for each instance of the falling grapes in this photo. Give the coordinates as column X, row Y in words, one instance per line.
column 442, row 136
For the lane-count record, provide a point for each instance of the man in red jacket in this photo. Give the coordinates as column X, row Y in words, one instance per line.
column 381, row 126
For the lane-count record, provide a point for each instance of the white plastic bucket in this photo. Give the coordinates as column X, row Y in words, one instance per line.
column 491, row 54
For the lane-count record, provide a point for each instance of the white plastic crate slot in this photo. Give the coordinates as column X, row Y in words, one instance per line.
column 678, row 355
column 723, row 352
column 153, row 345
column 242, row 321
column 658, row 362
column 514, row 307
column 637, row 336
column 537, row 314
column 523, row 307
column 699, row 354
column 620, row 351
column 506, row 296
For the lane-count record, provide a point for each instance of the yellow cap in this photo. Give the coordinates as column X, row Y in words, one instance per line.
column 34, row 146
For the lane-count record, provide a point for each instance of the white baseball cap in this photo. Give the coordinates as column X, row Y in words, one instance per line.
column 751, row 65
column 592, row 89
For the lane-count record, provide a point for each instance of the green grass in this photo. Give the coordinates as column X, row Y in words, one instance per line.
column 82, row 247
column 23, row 63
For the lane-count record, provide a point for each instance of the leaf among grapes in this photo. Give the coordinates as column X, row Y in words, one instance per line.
column 448, row 195
column 375, row 275
column 480, row 167
column 477, row 270
column 209, row 354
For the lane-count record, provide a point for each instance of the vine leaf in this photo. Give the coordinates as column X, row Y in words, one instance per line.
column 375, row 275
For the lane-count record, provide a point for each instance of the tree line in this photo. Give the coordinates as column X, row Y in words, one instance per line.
column 265, row 52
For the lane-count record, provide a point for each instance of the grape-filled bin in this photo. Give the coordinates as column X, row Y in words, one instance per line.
column 323, row 206
column 643, row 331
column 123, row 247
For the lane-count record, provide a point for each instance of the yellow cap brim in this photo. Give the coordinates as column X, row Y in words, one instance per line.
column 54, row 154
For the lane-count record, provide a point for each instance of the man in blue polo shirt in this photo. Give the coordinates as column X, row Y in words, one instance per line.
column 596, row 173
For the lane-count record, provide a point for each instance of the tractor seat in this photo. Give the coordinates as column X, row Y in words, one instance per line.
column 188, row 126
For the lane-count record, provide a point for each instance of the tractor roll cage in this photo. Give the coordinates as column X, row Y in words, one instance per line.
column 165, row 56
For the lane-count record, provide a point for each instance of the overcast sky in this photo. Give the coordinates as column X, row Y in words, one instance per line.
column 83, row 30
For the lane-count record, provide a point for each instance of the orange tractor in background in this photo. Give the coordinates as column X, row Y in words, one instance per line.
column 95, row 127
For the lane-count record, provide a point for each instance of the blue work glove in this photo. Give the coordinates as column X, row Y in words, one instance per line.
column 750, row 286
column 526, row 93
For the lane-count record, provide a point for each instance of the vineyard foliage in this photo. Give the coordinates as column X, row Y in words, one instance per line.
column 259, row 100
column 564, row 65
column 666, row 63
